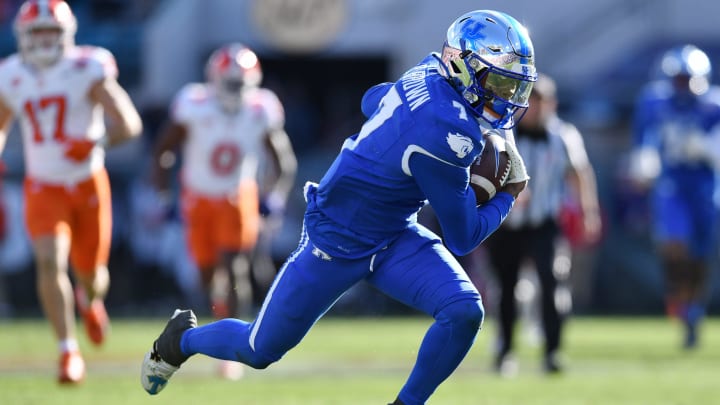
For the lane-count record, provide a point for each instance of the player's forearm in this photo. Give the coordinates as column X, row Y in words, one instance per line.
column 284, row 183
column 285, row 163
column 582, row 182
column 123, row 130
column 124, row 122
column 464, row 224
column 588, row 194
column 3, row 138
column 488, row 219
column 6, row 118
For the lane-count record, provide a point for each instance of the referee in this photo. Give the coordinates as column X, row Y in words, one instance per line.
column 559, row 168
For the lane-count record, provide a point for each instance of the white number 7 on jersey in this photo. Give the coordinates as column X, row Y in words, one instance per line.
column 389, row 103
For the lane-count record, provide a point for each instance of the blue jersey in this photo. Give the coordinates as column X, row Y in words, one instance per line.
column 664, row 120
column 683, row 199
column 416, row 147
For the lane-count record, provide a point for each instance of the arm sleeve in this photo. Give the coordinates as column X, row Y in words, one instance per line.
column 464, row 225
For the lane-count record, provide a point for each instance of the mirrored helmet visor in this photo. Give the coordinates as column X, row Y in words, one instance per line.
column 511, row 87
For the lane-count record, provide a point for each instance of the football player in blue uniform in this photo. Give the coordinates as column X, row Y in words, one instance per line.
column 422, row 134
column 677, row 152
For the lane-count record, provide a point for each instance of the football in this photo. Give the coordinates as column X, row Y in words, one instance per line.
column 490, row 170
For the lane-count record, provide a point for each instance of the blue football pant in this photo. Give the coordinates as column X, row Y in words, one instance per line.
column 685, row 218
column 416, row 270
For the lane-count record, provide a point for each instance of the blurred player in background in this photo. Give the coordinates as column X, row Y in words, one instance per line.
column 231, row 132
column 557, row 161
column 423, row 133
column 61, row 94
column 677, row 155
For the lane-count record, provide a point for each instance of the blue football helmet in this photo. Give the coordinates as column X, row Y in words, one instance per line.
column 687, row 67
column 489, row 58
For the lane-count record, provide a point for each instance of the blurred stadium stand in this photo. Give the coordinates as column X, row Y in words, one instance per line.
column 319, row 56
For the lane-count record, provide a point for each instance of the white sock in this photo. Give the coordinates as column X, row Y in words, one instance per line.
column 68, row 345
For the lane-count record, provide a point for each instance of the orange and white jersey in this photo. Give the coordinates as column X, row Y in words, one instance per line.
column 53, row 105
column 221, row 149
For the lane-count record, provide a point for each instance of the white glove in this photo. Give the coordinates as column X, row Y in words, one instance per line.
column 272, row 204
column 644, row 165
column 695, row 147
column 518, row 173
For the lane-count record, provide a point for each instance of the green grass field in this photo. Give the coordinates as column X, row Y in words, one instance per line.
column 366, row 360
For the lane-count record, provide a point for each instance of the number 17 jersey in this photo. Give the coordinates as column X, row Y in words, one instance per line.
column 53, row 105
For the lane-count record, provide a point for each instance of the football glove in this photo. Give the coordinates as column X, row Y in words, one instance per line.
column 272, row 204
column 518, row 172
column 644, row 165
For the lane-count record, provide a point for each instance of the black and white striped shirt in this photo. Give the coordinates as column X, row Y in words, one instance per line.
column 548, row 159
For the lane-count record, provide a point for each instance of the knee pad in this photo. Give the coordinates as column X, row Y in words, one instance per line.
column 468, row 313
column 257, row 361
column 260, row 363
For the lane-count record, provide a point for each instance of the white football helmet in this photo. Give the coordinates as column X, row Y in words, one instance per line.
column 230, row 70
column 44, row 30
column 687, row 67
column 489, row 58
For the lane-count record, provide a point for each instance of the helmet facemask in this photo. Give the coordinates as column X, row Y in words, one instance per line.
column 498, row 95
column 43, row 46
column 229, row 92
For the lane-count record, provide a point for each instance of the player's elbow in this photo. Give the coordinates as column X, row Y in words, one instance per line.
column 459, row 247
column 124, row 130
column 261, row 364
column 134, row 126
column 465, row 244
column 259, row 360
